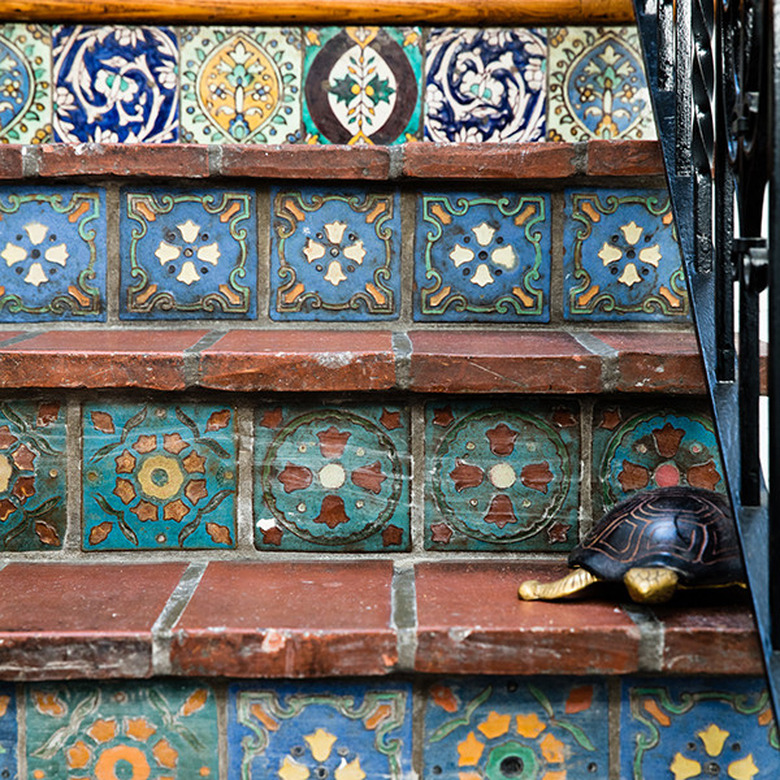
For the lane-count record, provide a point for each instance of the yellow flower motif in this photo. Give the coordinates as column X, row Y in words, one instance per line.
column 552, row 749
column 350, row 771
column 292, row 770
column 320, row 743
column 714, row 739
column 529, row 725
column 495, row 725
column 470, row 750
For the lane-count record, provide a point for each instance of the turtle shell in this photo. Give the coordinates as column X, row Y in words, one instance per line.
column 688, row 530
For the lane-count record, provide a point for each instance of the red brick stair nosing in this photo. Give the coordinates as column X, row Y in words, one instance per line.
column 438, row 361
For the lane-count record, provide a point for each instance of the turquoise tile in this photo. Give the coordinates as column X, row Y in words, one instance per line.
column 188, row 254
column 9, row 732
column 638, row 448
column 362, row 85
column 121, row 731
column 33, row 465
column 332, row 479
column 697, row 728
column 501, row 477
column 25, row 84
column 597, row 85
column 344, row 730
column 482, row 257
column 335, row 254
column 549, row 728
column 158, row 476
column 622, row 260
column 240, row 85
column 53, row 248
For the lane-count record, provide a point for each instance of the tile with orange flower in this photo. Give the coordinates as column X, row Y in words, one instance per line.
column 487, row 727
column 8, row 732
column 337, row 730
column 332, row 478
column 501, row 477
column 32, row 475
column 638, row 447
column 115, row 730
column 158, row 476
column 697, row 728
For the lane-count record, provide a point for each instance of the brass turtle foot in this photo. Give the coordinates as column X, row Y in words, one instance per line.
column 573, row 582
column 650, row 585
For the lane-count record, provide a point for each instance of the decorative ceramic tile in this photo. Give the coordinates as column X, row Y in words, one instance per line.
column 115, row 84
column 622, row 257
column 639, row 448
column 485, row 85
column 362, row 84
column 597, row 84
column 335, row 255
column 133, row 730
column 188, row 254
column 698, row 728
column 332, row 479
column 158, row 476
column 8, row 733
column 501, row 478
column 25, row 84
column 344, row 731
column 54, row 250
column 33, row 511
column 241, row 85
column 482, row 258
column 495, row 727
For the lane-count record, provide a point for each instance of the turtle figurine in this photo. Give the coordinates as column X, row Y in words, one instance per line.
column 655, row 542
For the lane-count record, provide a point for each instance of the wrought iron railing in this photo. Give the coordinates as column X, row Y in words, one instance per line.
column 713, row 68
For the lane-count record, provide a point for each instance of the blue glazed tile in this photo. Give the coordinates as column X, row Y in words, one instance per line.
column 33, row 464
column 501, row 479
column 115, row 84
column 496, row 727
column 241, row 85
column 636, row 448
column 597, row 83
column 696, row 728
column 485, row 85
column 158, row 476
column 53, row 249
column 362, row 85
column 332, row 479
column 188, row 254
column 482, row 258
column 344, row 731
column 335, row 255
column 111, row 731
column 25, row 84
column 622, row 258
column 8, row 732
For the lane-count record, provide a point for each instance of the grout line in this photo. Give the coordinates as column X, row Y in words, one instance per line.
column 615, row 703
column 418, row 472
column 31, row 160
column 245, row 522
column 404, row 614
column 651, row 637
column 192, row 356
column 17, row 339
column 73, row 475
column 402, row 349
column 113, row 201
column 610, row 370
column 396, row 166
column 162, row 630
column 586, row 465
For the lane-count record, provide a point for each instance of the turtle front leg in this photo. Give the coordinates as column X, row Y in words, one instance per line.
column 650, row 585
column 573, row 582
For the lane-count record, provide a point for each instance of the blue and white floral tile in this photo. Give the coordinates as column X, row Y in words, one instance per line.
column 115, row 84
column 640, row 448
column 549, row 728
column 158, row 476
column 188, row 254
column 697, row 728
column 362, row 85
column 164, row 730
column 332, row 479
column 240, row 85
column 597, row 85
column 501, row 478
column 485, row 85
column 482, row 257
column 343, row 731
column 621, row 257
column 53, row 253
column 25, row 84
column 335, row 254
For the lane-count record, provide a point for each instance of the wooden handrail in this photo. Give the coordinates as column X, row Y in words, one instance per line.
column 472, row 12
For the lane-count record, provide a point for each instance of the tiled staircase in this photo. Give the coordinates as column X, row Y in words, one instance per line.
column 372, row 324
